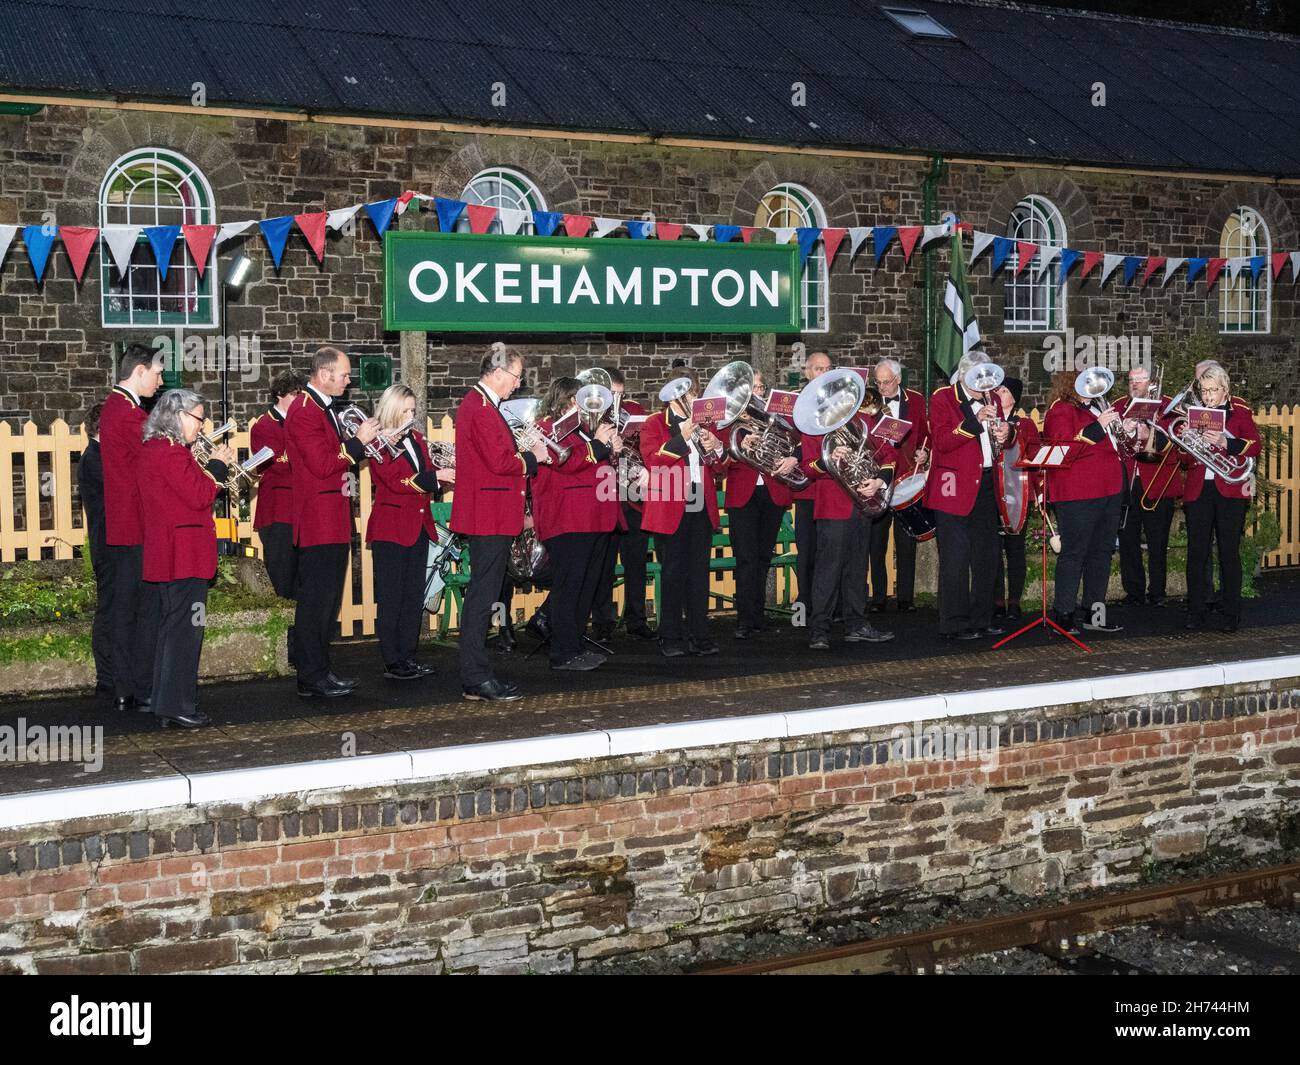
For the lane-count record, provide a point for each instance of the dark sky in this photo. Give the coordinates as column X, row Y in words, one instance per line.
column 1282, row 16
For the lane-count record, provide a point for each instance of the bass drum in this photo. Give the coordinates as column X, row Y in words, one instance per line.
column 906, row 504
column 1013, row 491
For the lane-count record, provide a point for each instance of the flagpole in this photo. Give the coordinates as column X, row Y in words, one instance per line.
column 929, row 195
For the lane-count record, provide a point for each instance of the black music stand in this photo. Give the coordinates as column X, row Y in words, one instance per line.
column 1049, row 457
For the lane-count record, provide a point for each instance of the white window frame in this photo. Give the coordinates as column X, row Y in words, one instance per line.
column 142, row 279
column 1037, row 220
column 500, row 186
column 788, row 205
column 1242, row 303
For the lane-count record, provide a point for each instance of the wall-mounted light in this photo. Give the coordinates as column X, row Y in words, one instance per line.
column 240, row 271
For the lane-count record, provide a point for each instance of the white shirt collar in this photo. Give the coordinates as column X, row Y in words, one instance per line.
column 326, row 400
column 492, row 396
column 131, row 392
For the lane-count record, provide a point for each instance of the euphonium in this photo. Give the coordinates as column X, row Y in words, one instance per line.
column 593, row 402
column 1093, row 384
column 1232, row 468
column 774, row 440
column 828, row 407
column 983, row 378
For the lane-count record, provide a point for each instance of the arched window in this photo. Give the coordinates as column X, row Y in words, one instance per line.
column 1244, row 304
column 1033, row 305
column 792, row 205
column 156, row 187
column 504, row 189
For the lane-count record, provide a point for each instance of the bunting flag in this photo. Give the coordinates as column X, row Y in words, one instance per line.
column 1091, row 260
column 121, row 241
column 312, row 227
column 78, row 241
column 782, row 234
column 637, row 229
column 1046, row 256
column 336, row 220
column 381, row 215
column 1279, row 261
column 1212, row 271
column 908, row 236
column 1025, row 252
column 959, row 331
column 199, row 238
column 725, row 234
column 276, row 233
column 701, row 231
column 1109, row 264
column 481, row 216
column 807, row 238
column 7, row 234
column 1001, row 249
column 881, row 238
column 1154, row 263
column 668, row 230
column 1194, row 267
column 1172, row 266
column 1235, row 266
column 512, row 218
column 577, row 225
column 831, row 241
column 747, row 233
column 929, row 234
column 448, row 212
column 1256, row 267
column 857, row 237
column 547, row 222
column 230, row 230
column 1068, row 258
column 162, row 239
column 39, row 241
column 606, row 226
column 1131, row 265
column 981, row 244
column 1295, row 266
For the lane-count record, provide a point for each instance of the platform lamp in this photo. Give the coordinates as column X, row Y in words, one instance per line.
column 238, row 274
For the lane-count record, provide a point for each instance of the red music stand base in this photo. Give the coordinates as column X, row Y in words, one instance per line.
column 1043, row 620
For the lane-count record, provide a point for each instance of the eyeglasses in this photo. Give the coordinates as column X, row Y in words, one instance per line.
column 516, row 376
column 197, row 417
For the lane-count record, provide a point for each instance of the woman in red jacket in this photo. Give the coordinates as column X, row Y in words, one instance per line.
column 180, row 547
column 575, row 509
column 681, row 512
column 399, row 532
column 1086, row 496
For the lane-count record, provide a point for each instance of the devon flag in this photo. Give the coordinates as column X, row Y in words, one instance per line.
column 958, row 329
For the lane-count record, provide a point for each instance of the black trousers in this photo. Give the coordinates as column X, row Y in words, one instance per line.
column 322, row 571
column 1155, row 524
column 754, row 529
column 968, row 559
column 1087, row 528
column 684, row 578
column 904, row 559
column 1213, row 514
column 399, row 596
column 487, row 561
column 280, row 556
column 575, row 559
column 181, row 615
column 841, row 576
column 101, row 629
column 805, row 543
column 631, row 546
column 1009, row 584
column 134, row 623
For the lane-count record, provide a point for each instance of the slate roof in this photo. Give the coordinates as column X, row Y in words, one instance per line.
column 1016, row 84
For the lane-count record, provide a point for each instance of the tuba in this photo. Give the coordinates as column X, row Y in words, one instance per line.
column 1232, row 468
column 521, row 415
column 828, row 407
column 1092, row 385
column 677, row 389
column 593, row 401
column 774, row 440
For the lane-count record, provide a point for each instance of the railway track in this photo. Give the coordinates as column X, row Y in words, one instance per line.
column 1075, row 937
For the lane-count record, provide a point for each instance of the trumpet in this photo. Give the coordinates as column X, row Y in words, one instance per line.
column 828, row 407
column 774, row 440
column 521, row 416
column 204, row 443
column 1092, row 385
column 675, row 390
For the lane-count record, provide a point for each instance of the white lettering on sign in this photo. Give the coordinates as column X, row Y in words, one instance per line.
column 428, row 297
column 504, row 283
column 695, row 273
column 584, row 288
column 615, row 287
column 552, row 282
column 756, row 283
column 465, row 281
column 665, row 280
column 730, row 275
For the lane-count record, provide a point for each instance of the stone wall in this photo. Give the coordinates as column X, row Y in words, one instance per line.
column 57, row 354
column 558, row 868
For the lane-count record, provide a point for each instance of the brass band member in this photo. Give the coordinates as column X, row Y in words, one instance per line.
column 488, row 509
column 1086, row 496
column 90, row 487
column 805, row 503
column 1214, row 505
column 273, row 516
column 180, row 547
column 399, row 532
column 1009, row 585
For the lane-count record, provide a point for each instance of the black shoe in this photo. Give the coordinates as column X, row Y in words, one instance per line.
column 195, row 719
column 402, row 671
column 819, row 643
column 878, row 607
column 506, row 639
column 670, row 649
column 126, row 703
column 867, row 634
column 904, row 608
column 1229, row 624
column 1214, row 608
column 1013, row 612
column 704, row 647
column 493, row 691
column 425, row 669
column 999, row 610
column 642, row 631
column 1106, row 626
column 963, row 635
column 745, row 632
column 539, row 625
column 1156, row 600
column 993, row 630
column 1131, row 600
column 1066, row 621
column 103, row 688
column 1194, row 622
column 602, row 633
column 582, row 662
column 324, row 689
column 349, row 683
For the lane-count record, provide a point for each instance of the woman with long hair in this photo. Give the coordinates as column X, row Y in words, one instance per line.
column 180, row 547
column 399, row 532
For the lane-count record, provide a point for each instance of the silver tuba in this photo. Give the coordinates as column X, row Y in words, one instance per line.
column 593, row 401
column 1093, row 384
column 774, row 440
column 828, row 407
column 521, row 415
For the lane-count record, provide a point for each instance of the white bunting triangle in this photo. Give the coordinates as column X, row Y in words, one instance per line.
column 1172, row 266
column 783, row 234
column 229, row 230
column 7, row 234
column 930, row 234
column 983, row 241
column 336, row 220
column 1109, row 264
column 701, row 231
column 1295, row 266
column 857, row 237
column 1046, row 256
column 1235, row 266
column 606, row 226
column 121, row 241
column 512, row 218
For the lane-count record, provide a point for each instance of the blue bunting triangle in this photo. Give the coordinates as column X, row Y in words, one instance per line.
column 162, row 239
column 881, row 238
column 807, row 237
column 449, row 212
column 39, row 241
column 546, row 222
column 637, row 230
column 723, row 234
column 381, row 214
column 1194, row 267
column 276, row 232
column 1131, row 264
column 1256, row 265
column 1001, row 249
column 1068, row 258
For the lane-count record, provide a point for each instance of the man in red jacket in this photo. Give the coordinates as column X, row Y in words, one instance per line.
column 273, row 518
column 805, row 525
column 488, row 509
column 324, row 462
column 135, row 615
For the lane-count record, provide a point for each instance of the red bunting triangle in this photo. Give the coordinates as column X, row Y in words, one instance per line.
column 79, row 240
column 1025, row 252
column 668, row 230
column 965, row 227
column 313, row 228
column 577, row 225
column 1154, row 263
column 480, row 216
column 1279, row 261
column 199, row 240
column 1212, row 271
column 907, row 237
column 1091, row 260
column 831, row 239
column 406, row 197
column 747, row 233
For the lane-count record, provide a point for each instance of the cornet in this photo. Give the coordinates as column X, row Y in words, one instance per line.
column 521, row 416
column 204, row 443
column 351, row 418
column 442, row 454
column 243, row 475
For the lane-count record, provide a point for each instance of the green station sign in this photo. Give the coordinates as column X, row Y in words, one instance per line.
column 441, row 282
